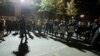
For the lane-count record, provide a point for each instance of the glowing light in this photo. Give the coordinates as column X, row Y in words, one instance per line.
column 72, row 17
column 82, row 16
column 22, row 1
column 32, row 2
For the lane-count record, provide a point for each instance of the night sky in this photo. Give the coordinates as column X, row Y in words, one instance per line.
column 90, row 6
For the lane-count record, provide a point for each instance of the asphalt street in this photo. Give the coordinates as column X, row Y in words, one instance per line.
column 40, row 46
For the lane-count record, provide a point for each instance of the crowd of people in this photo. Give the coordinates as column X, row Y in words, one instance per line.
column 89, row 30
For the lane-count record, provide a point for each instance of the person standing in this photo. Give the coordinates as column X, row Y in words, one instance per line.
column 39, row 26
column 56, row 27
column 2, row 26
column 8, row 26
column 95, row 43
column 62, row 29
column 70, row 32
column 22, row 25
column 96, row 39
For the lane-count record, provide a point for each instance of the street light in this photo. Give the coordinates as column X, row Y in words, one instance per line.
column 22, row 1
column 82, row 15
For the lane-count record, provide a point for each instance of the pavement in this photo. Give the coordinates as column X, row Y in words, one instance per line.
column 41, row 46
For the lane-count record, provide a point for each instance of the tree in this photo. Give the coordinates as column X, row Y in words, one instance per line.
column 71, row 9
column 36, row 9
column 35, row 6
column 60, row 7
column 47, row 7
column 53, row 7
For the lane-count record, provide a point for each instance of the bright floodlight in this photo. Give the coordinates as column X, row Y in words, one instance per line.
column 22, row 1
column 82, row 16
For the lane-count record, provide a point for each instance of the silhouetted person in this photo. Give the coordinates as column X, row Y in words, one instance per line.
column 62, row 29
column 2, row 27
column 88, row 31
column 22, row 27
column 55, row 27
column 94, row 27
column 8, row 26
column 22, row 49
column 28, row 27
column 71, row 30
column 79, row 30
column 96, row 40
column 47, row 26
column 39, row 26
column 51, row 26
column 33, row 26
column 16, row 25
